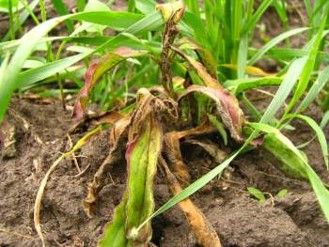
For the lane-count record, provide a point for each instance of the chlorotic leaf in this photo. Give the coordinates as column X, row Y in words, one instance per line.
column 144, row 147
column 142, row 157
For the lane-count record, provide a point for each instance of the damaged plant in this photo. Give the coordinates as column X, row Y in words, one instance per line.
column 153, row 130
column 161, row 117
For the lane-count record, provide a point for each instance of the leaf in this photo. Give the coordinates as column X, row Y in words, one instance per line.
column 115, row 233
column 275, row 144
column 240, row 85
column 203, row 230
column 172, row 11
column 282, row 193
column 95, row 5
column 143, row 149
column 219, row 126
column 308, row 68
column 142, row 157
column 207, row 79
column 227, row 106
column 204, row 54
column 95, row 71
column 257, row 194
column 319, row 133
column 250, row 70
column 286, row 152
column 315, row 89
column 274, row 42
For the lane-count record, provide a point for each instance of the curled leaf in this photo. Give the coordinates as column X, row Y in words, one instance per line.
column 227, row 106
column 96, row 70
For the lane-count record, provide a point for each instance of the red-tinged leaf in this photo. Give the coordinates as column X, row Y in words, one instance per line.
column 94, row 73
column 227, row 107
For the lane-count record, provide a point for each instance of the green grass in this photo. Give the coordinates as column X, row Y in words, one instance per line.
column 223, row 46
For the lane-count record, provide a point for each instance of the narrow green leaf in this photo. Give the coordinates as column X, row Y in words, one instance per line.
column 286, row 151
column 325, row 120
column 240, row 85
column 274, row 42
column 308, row 68
column 250, row 25
column 284, row 90
column 315, row 89
column 319, row 133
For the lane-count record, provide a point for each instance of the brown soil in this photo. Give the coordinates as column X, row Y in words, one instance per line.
column 40, row 135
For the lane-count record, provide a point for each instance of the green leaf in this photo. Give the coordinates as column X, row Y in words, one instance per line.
column 319, row 133
column 284, row 90
column 324, row 120
column 308, row 68
column 315, row 89
column 274, row 42
column 240, row 85
column 257, row 194
column 142, row 157
column 286, row 152
column 95, row 5
column 282, row 193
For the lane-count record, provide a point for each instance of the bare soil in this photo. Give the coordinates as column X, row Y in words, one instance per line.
column 240, row 220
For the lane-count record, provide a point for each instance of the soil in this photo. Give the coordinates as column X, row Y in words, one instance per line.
column 40, row 135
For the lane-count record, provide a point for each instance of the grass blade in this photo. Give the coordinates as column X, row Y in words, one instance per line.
column 274, row 42
column 319, row 133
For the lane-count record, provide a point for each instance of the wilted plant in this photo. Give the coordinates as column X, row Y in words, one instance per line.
column 161, row 117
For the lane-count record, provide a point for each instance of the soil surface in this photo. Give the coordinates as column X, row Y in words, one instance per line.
column 39, row 137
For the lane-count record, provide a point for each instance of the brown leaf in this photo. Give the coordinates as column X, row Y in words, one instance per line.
column 117, row 137
column 227, row 107
column 203, row 230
